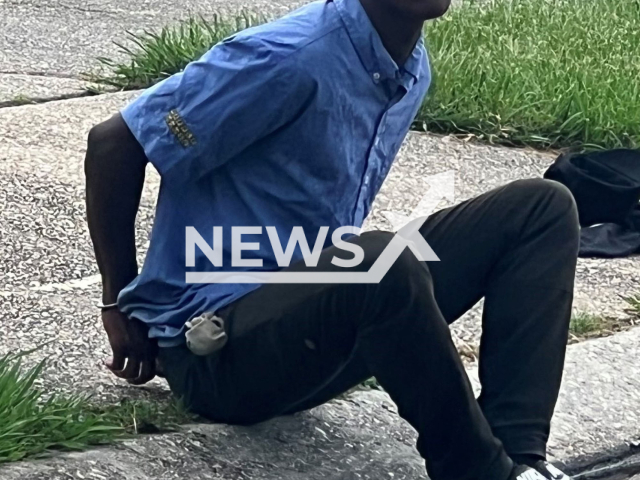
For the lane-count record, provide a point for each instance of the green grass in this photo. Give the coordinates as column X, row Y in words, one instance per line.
column 634, row 308
column 585, row 324
column 634, row 303
column 145, row 416
column 33, row 423
column 21, row 100
column 543, row 72
column 154, row 56
column 371, row 383
column 30, row 425
column 547, row 73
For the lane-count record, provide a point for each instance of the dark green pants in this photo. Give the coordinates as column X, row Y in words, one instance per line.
column 292, row 347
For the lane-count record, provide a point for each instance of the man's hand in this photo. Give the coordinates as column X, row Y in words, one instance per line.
column 134, row 353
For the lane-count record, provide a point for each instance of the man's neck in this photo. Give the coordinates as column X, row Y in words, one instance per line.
column 398, row 33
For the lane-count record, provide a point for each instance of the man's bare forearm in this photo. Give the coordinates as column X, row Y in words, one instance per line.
column 115, row 169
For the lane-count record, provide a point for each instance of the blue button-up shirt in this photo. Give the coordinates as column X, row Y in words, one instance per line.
column 292, row 123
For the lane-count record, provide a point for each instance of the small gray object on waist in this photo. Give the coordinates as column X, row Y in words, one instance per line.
column 205, row 334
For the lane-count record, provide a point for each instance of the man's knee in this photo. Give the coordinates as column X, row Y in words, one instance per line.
column 550, row 214
column 552, row 198
column 539, row 189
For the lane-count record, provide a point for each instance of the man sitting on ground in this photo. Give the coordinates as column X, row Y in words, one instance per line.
column 296, row 123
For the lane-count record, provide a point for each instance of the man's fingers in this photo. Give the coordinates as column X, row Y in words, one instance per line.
column 131, row 370
column 116, row 363
column 147, row 372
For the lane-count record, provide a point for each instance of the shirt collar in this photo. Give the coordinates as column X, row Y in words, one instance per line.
column 370, row 49
column 415, row 63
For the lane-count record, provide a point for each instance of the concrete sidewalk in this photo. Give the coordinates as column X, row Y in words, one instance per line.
column 361, row 436
column 55, row 41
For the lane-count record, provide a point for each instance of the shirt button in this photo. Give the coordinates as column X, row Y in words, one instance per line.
column 377, row 142
column 366, row 180
column 376, row 76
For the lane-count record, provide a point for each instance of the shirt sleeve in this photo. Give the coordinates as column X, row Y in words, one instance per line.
column 239, row 92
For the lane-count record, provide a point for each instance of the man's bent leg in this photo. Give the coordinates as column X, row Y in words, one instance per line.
column 517, row 246
column 288, row 342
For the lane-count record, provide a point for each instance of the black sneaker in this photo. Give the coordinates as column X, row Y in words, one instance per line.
column 523, row 472
column 549, row 471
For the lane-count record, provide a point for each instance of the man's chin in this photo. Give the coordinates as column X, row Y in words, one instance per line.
column 435, row 8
